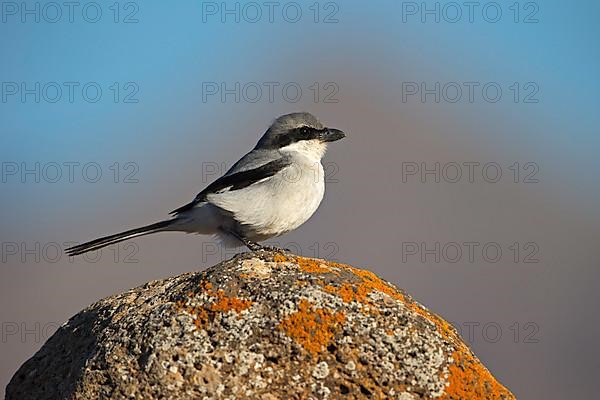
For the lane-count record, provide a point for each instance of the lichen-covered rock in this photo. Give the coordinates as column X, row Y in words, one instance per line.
column 263, row 325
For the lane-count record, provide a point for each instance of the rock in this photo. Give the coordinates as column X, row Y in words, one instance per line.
column 263, row 325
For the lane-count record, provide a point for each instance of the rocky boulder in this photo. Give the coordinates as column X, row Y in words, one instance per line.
column 264, row 325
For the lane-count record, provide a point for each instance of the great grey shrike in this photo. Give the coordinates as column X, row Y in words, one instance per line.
column 270, row 191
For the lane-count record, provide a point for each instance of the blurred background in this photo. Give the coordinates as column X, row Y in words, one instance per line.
column 469, row 176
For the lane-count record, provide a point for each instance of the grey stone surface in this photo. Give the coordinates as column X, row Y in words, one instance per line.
column 262, row 325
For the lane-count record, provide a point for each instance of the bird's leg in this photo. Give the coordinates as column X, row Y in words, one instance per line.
column 275, row 248
column 253, row 246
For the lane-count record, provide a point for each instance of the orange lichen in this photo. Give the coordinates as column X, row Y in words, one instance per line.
column 349, row 292
column 311, row 327
column 314, row 328
column 279, row 258
column 221, row 303
column 469, row 379
column 225, row 304
column 358, row 291
column 371, row 282
column 312, row 265
column 201, row 315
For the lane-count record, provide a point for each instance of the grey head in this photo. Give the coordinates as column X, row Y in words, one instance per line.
column 296, row 127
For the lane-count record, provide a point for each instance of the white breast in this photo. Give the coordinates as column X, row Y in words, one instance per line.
column 278, row 204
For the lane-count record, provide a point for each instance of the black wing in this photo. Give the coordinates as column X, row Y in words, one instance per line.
column 236, row 181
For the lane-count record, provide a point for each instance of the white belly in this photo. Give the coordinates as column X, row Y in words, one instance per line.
column 276, row 205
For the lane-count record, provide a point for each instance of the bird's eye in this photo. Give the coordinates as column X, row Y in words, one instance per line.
column 305, row 131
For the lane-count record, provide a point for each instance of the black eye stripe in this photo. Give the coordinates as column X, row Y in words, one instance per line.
column 295, row 135
column 306, row 133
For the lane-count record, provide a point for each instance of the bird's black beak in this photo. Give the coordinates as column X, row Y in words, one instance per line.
column 331, row 135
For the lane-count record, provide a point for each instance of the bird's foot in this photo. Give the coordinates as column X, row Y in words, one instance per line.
column 253, row 246
column 275, row 248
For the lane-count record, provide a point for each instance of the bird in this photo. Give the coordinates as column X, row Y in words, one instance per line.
column 270, row 191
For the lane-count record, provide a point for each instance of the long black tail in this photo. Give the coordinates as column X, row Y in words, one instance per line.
column 116, row 238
